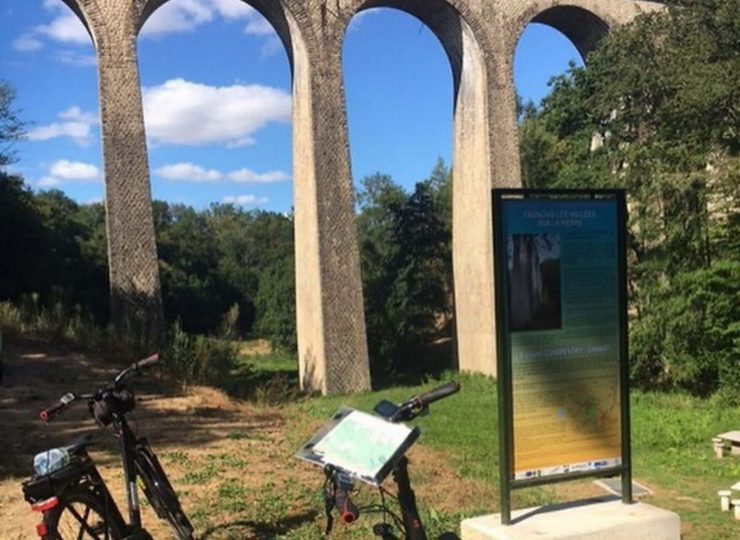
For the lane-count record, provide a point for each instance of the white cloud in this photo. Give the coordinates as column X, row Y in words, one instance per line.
column 181, row 16
column 65, row 171
column 271, row 46
column 52, row 5
column 76, row 59
column 238, row 143
column 173, row 17
column 76, row 125
column 187, row 113
column 74, row 171
column 27, row 43
column 187, row 172
column 177, row 16
column 49, row 181
column 354, row 24
column 258, row 26
column 249, row 176
column 233, row 9
column 76, row 130
column 244, row 200
column 75, row 114
column 66, row 28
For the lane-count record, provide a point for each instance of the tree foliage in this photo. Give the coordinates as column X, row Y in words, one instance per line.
column 11, row 127
column 405, row 242
column 657, row 112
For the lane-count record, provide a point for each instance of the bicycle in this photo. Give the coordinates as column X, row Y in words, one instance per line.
column 69, row 492
column 339, row 482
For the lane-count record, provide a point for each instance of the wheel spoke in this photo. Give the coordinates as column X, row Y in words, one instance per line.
column 85, row 527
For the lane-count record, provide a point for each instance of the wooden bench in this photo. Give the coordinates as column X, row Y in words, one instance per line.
column 723, row 439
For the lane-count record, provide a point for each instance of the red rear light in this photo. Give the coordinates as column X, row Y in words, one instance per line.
column 43, row 506
column 41, row 529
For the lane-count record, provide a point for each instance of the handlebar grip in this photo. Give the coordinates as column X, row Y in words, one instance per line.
column 348, row 511
column 51, row 412
column 439, row 393
column 147, row 362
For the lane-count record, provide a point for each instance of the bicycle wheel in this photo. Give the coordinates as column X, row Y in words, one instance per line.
column 160, row 494
column 81, row 514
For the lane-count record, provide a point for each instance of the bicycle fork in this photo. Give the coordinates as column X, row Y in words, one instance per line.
column 407, row 502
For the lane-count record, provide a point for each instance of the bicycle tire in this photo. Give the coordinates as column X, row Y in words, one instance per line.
column 71, row 519
column 160, row 493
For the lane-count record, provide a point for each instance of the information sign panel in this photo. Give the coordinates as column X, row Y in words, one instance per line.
column 561, row 335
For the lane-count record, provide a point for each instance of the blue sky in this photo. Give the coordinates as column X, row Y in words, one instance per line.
column 216, row 90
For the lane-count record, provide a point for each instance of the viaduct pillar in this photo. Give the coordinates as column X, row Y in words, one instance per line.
column 136, row 305
column 332, row 345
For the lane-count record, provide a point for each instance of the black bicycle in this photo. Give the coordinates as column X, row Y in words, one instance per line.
column 339, row 483
column 69, row 492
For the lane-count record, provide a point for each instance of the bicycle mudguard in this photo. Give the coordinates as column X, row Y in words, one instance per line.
column 41, row 488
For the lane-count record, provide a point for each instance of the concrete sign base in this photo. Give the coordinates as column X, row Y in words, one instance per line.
column 595, row 519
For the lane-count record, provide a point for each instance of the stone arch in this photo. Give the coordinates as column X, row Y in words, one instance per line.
column 581, row 26
column 450, row 21
column 583, row 22
column 459, row 32
column 275, row 13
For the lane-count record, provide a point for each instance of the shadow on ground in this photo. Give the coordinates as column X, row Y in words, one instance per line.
column 36, row 378
column 260, row 529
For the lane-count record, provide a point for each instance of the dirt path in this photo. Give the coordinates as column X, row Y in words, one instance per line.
column 231, row 462
column 181, row 428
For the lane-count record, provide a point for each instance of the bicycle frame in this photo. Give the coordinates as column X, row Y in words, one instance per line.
column 127, row 448
column 407, row 502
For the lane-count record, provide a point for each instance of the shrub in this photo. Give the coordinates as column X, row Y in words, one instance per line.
column 11, row 320
column 197, row 359
column 691, row 339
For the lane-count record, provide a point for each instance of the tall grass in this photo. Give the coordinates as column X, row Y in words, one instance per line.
column 198, row 359
column 189, row 359
column 29, row 320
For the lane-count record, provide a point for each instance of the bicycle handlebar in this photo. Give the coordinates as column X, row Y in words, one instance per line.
column 416, row 405
column 136, row 368
column 67, row 399
column 348, row 511
column 51, row 412
column 148, row 362
column 439, row 393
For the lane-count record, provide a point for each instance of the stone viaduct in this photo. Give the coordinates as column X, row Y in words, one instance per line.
column 479, row 38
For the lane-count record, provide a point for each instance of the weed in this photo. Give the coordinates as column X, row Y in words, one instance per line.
column 201, row 476
column 177, row 457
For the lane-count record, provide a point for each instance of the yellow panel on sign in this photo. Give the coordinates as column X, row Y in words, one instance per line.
column 566, row 416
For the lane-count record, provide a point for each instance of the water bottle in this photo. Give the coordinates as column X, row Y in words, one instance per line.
column 49, row 461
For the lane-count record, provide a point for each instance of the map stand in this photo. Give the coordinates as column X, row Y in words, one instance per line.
column 363, row 445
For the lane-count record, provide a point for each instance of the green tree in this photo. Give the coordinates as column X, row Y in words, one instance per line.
column 188, row 257
column 406, row 267
column 11, row 127
column 23, row 264
column 274, row 259
column 660, row 98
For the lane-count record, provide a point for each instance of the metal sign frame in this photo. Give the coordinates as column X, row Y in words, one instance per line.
column 503, row 347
